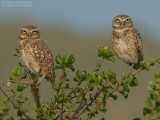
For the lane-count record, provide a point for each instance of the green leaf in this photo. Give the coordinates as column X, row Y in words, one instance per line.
column 102, row 118
column 92, row 114
column 10, row 78
column 152, row 63
column 16, row 72
column 17, row 50
column 125, row 91
column 146, row 110
column 137, row 119
column 99, row 79
column 110, row 74
column 105, row 53
column 20, row 64
column 113, row 96
column 151, row 86
column 59, row 67
column 11, row 118
column 143, row 65
column 71, row 59
column 26, row 98
column 67, row 86
column 54, row 86
column 90, row 86
column 154, row 96
column 157, row 104
column 71, row 67
column 61, row 96
column 149, row 101
column 157, row 75
column 94, row 76
column 127, row 81
column 19, row 72
column 5, row 110
column 5, row 100
column 15, row 55
column 20, row 88
column 19, row 113
column 24, row 75
column 56, row 60
column 134, row 82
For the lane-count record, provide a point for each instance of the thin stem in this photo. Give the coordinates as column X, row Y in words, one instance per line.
column 154, row 107
column 85, row 88
column 90, row 102
column 17, row 107
column 18, row 81
column 148, row 64
column 75, row 102
column 58, row 90
column 152, row 113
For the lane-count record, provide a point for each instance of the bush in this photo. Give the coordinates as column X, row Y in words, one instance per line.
column 88, row 97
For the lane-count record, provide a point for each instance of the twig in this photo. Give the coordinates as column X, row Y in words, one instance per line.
column 96, row 95
column 148, row 64
column 152, row 113
column 73, row 90
column 58, row 115
column 17, row 107
column 62, row 76
column 154, row 107
column 18, row 81
column 75, row 102
column 58, row 90
column 22, row 99
column 85, row 89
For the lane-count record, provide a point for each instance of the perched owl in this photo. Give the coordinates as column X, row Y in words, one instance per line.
column 35, row 53
column 126, row 41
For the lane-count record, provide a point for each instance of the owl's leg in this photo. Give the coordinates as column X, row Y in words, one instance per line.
column 130, row 70
column 123, row 75
column 41, row 78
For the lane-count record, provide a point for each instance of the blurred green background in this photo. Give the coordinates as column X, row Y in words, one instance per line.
column 78, row 27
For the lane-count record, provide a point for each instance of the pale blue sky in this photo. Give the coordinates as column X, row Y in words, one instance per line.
column 88, row 14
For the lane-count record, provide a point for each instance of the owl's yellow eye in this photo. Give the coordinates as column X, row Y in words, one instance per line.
column 24, row 31
column 127, row 20
column 117, row 21
column 34, row 32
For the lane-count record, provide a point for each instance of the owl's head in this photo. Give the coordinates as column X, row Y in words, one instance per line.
column 122, row 21
column 29, row 32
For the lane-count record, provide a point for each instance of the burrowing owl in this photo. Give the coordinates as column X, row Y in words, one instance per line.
column 35, row 53
column 126, row 41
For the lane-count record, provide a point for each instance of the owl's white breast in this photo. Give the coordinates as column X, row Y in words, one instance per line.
column 123, row 51
column 122, row 46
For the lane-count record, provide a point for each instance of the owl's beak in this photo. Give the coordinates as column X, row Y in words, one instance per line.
column 29, row 35
column 122, row 24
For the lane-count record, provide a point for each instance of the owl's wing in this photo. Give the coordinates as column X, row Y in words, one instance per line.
column 44, row 57
column 138, row 45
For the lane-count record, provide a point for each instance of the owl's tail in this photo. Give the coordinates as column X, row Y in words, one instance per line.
column 51, row 79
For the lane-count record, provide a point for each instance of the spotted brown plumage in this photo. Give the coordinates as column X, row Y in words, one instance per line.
column 35, row 53
column 126, row 41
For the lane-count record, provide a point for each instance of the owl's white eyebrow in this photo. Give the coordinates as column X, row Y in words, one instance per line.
column 34, row 30
column 24, row 29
